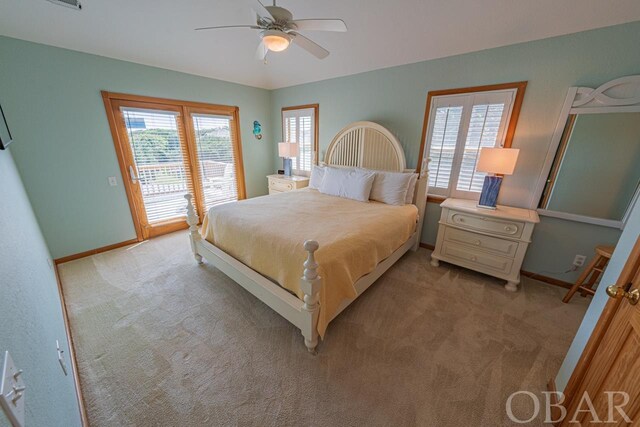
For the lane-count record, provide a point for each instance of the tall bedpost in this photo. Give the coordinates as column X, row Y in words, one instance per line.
column 421, row 199
column 310, row 285
column 192, row 220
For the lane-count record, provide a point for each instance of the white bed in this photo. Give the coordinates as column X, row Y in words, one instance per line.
column 362, row 144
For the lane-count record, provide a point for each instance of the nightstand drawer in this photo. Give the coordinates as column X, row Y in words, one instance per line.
column 496, row 245
column 279, row 185
column 486, row 224
column 476, row 260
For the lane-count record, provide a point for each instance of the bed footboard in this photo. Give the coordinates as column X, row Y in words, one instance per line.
column 302, row 314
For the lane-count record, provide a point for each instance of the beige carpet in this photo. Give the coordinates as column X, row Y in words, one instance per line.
column 162, row 341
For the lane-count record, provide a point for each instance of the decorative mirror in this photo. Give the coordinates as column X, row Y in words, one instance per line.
column 592, row 171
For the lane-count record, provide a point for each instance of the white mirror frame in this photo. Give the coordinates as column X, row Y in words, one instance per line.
column 617, row 96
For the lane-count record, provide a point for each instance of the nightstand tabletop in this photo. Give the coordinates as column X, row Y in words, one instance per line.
column 501, row 211
column 289, row 178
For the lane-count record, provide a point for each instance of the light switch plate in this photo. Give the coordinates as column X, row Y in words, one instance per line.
column 12, row 391
column 113, row 181
column 63, row 363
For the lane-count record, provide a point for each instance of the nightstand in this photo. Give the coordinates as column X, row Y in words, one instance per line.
column 493, row 242
column 282, row 183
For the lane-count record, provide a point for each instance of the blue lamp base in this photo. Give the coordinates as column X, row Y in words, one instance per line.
column 286, row 163
column 490, row 190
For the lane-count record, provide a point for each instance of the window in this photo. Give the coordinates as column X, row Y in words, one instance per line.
column 300, row 124
column 459, row 123
column 167, row 149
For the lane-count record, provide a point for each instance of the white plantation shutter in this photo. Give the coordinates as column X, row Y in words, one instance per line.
column 156, row 141
column 443, row 145
column 216, row 158
column 459, row 126
column 484, row 130
column 299, row 126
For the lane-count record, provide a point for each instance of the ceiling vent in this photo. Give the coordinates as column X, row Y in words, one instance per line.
column 74, row 4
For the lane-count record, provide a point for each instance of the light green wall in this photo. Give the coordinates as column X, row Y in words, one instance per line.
column 395, row 97
column 65, row 153
column 64, row 150
column 614, row 268
column 30, row 310
column 603, row 153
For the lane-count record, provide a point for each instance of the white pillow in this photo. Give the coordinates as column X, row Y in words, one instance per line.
column 411, row 189
column 390, row 187
column 347, row 183
column 317, row 173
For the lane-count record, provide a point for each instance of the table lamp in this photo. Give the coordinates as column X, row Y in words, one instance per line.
column 495, row 162
column 287, row 150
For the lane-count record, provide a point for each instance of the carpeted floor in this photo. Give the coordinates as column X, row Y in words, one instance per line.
column 162, row 341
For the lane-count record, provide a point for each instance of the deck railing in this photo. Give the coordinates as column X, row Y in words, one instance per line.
column 171, row 177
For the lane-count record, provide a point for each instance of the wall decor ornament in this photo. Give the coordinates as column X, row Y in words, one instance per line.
column 257, row 129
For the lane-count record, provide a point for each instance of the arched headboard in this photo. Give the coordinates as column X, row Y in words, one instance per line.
column 366, row 145
column 371, row 146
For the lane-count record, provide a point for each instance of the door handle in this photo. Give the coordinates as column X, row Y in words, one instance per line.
column 132, row 174
column 617, row 293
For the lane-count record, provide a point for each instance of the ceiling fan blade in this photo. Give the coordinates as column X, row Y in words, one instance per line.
column 260, row 10
column 261, row 52
column 310, row 46
column 320, row 25
column 253, row 27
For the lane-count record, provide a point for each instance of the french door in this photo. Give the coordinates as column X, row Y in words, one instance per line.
column 167, row 149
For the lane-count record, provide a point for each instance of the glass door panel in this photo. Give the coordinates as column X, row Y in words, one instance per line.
column 157, row 145
column 216, row 158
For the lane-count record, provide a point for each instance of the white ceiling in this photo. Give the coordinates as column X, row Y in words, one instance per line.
column 381, row 33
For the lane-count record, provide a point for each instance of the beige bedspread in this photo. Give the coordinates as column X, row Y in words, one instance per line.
column 267, row 234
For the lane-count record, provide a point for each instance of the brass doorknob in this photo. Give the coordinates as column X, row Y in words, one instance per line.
column 618, row 292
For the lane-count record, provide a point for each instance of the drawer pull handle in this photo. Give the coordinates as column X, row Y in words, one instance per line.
column 507, row 228
column 473, row 258
column 460, row 219
column 477, row 242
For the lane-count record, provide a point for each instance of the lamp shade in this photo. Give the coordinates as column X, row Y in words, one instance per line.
column 288, row 149
column 497, row 160
column 276, row 41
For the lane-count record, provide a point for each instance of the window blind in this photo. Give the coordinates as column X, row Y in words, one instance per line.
column 299, row 126
column 157, row 144
column 460, row 125
column 216, row 158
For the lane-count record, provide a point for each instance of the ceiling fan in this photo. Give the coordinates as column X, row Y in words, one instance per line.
column 278, row 30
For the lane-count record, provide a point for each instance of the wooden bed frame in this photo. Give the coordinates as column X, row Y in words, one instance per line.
column 361, row 144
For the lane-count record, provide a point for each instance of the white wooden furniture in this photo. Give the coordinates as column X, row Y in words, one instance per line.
column 361, row 144
column 282, row 183
column 493, row 242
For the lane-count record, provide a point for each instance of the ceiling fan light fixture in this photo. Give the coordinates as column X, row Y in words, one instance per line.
column 276, row 41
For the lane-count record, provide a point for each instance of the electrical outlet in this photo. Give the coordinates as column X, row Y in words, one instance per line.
column 579, row 260
column 112, row 181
